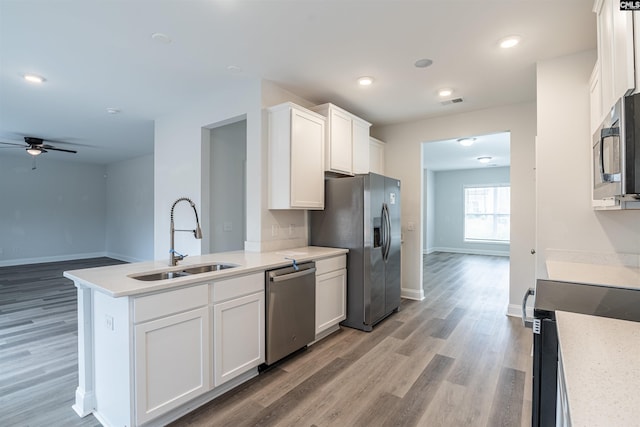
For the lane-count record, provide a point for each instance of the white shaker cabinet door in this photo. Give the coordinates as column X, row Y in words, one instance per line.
column 172, row 362
column 331, row 293
column 360, row 147
column 340, row 139
column 307, row 167
column 238, row 336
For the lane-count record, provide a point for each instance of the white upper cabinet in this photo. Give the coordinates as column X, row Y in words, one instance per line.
column 296, row 158
column 345, row 143
column 360, row 131
column 616, row 75
column 376, row 156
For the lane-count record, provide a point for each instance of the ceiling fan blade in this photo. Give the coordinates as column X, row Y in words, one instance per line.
column 12, row 143
column 58, row 149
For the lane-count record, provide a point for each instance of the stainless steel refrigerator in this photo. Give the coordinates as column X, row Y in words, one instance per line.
column 362, row 214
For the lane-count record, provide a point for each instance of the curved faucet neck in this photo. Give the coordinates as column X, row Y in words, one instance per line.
column 197, row 233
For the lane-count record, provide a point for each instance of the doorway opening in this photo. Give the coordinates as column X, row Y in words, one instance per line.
column 466, row 196
column 224, row 160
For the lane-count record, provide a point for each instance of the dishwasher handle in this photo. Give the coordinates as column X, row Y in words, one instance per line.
column 527, row 322
column 275, row 278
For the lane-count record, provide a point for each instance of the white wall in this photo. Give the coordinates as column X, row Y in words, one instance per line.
column 566, row 221
column 449, row 209
column 179, row 169
column 178, row 160
column 129, row 205
column 55, row 212
column 403, row 160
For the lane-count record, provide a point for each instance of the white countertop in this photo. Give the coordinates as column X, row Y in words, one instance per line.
column 601, row 362
column 595, row 274
column 115, row 281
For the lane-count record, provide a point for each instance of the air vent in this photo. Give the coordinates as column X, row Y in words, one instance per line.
column 452, row 101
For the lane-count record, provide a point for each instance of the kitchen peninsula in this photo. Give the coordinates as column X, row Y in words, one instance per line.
column 153, row 350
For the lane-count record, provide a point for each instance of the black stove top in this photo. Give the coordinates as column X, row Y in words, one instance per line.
column 604, row 301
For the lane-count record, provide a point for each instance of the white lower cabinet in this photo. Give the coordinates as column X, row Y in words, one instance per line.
column 331, row 294
column 238, row 326
column 238, row 331
column 171, row 362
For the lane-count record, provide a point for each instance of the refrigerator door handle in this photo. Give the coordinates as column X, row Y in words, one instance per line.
column 387, row 232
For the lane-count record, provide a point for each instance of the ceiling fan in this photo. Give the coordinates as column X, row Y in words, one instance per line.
column 35, row 146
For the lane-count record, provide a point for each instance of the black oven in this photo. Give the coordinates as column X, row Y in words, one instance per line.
column 552, row 296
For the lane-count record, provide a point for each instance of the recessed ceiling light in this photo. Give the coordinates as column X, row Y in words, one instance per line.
column 466, row 142
column 112, row 110
column 423, row 63
column 484, row 159
column 509, row 42
column 365, row 81
column 161, row 38
column 34, row 78
column 445, row 92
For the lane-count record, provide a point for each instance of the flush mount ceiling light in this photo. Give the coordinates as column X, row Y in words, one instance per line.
column 234, row 69
column 509, row 42
column 161, row 38
column 466, row 142
column 365, row 81
column 112, row 110
column 34, row 78
column 445, row 92
column 423, row 63
column 484, row 159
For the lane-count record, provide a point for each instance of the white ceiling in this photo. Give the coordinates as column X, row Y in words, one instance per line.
column 97, row 54
column 451, row 155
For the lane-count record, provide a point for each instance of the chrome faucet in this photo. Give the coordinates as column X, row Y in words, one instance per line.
column 174, row 256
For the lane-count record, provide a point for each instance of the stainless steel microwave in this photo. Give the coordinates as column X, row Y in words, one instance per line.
column 616, row 153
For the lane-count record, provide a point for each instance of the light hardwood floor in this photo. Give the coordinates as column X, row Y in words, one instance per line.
column 453, row 359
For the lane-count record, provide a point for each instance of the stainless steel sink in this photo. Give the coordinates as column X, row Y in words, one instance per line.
column 163, row 275
column 207, row 268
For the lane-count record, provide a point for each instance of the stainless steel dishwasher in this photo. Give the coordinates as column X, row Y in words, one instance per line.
column 290, row 309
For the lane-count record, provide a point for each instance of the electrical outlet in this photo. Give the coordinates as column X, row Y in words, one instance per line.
column 108, row 322
column 292, row 229
column 227, row 226
column 274, row 230
column 411, row 226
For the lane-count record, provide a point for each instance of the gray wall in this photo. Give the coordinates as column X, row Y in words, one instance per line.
column 68, row 210
column 429, row 210
column 227, row 214
column 449, row 209
column 129, row 204
column 52, row 213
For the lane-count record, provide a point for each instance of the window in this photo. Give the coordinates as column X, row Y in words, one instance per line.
column 487, row 213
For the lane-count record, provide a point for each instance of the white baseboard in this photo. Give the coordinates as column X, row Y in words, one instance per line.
column 428, row 251
column 124, row 258
column 413, row 294
column 469, row 251
column 57, row 258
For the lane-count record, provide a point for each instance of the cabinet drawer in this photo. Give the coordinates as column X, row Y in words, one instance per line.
column 237, row 287
column 331, row 264
column 167, row 303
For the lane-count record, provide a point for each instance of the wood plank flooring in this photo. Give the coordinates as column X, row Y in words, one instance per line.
column 453, row 359
column 39, row 344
